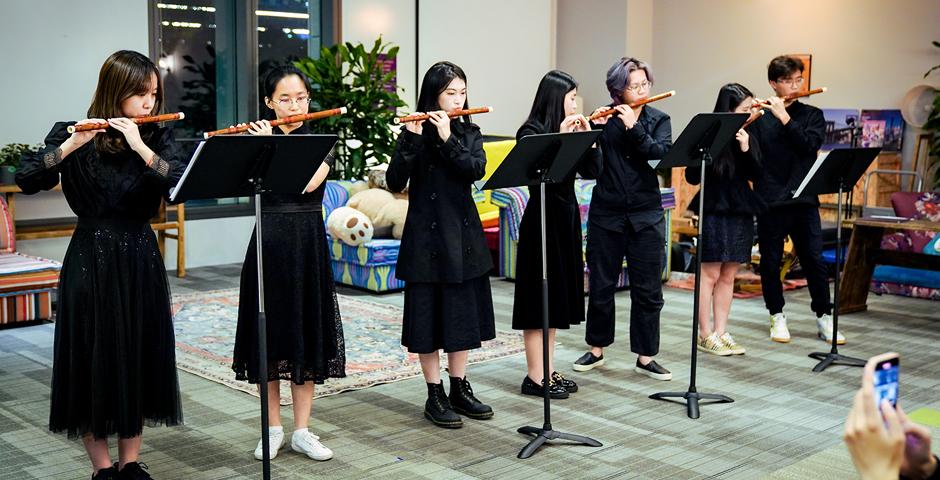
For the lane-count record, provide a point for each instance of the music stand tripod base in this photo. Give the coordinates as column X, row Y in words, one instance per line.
column 543, row 435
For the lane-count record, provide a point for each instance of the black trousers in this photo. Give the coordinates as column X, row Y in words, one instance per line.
column 801, row 223
column 607, row 246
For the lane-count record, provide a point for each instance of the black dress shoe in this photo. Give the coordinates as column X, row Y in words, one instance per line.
column 555, row 391
column 464, row 403
column 568, row 385
column 587, row 362
column 652, row 370
column 438, row 408
column 134, row 471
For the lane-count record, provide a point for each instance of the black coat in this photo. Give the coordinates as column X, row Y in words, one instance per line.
column 443, row 238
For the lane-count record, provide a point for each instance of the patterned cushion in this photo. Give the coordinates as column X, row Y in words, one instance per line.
column 7, row 232
column 379, row 251
column 920, row 206
column 335, row 196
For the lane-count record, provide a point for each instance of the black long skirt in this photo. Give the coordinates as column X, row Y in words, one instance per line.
column 114, row 364
column 448, row 316
column 304, row 327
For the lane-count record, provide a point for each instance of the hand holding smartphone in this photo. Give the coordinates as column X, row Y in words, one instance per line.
column 885, row 371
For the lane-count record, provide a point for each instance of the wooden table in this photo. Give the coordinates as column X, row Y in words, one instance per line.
column 865, row 252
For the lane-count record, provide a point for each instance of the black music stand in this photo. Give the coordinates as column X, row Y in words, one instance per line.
column 703, row 138
column 540, row 160
column 243, row 165
column 836, row 172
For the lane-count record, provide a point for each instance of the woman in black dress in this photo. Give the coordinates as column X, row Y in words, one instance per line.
column 728, row 226
column 443, row 258
column 553, row 111
column 304, row 328
column 114, row 365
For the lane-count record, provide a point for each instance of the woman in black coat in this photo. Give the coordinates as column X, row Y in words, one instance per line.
column 443, row 257
column 553, row 111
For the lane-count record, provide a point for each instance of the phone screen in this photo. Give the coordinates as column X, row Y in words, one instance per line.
column 886, row 381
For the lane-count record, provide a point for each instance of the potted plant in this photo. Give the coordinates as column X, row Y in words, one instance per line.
column 932, row 128
column 10, row 159
column 351, row 76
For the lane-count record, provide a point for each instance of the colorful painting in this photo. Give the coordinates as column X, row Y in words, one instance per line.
column 840, row 125
column 882, row 128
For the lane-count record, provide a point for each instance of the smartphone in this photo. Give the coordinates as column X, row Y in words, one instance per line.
column 886, row 370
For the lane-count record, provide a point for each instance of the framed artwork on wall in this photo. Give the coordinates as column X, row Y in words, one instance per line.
column 807, row 60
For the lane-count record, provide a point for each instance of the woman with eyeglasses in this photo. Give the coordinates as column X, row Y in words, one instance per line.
column 626, row 220
column 304, row 328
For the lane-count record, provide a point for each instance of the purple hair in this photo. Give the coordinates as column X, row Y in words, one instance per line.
column 618, row 76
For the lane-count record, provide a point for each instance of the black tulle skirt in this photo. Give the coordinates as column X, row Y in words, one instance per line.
column 304, row 328
column 114, row 364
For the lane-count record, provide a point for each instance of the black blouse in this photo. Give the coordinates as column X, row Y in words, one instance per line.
column 104, row 185
column 296, row 202
column 729, row 192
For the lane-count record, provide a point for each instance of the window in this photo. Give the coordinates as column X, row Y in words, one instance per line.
column 205, row 52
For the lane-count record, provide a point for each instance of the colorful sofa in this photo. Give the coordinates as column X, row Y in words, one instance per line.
column 26, row 283
column 512, row 202
column 911, row 282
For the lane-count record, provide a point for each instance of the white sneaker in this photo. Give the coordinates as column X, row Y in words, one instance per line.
column 302, row 441
column 824, row 324
column 778, row 328
column 275, row 442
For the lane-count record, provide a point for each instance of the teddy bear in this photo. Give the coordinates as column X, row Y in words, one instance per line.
column 350, row 226
column 393, row 215
column 370, row 202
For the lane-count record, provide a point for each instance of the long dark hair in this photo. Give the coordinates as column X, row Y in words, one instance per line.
column 729, row 97
column 124, row 74
column 269, row 84
column 548, row 108
column 435, row 81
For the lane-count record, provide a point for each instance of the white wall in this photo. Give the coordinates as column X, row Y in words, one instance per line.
column 52, row 52
column 364, row 20
column 50, row 63
column 590, row 38
column 868, row 52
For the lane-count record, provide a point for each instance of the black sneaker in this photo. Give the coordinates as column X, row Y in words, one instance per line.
column 110, row 473
column 438, row 409
column 568, row 385
column 587, row 362
column 464, row 403
column 652, row 370
column 134, row 471
column 555, row 391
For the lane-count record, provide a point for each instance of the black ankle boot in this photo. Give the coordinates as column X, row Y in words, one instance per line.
column 134, row 471
column 461, row 397
column 438, row 409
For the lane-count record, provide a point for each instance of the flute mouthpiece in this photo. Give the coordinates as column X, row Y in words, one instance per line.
column 489, row 109
column 182, row 115
column 206, row 135
column 71, row 129
column 342, row 111
column 396, row 120
column 824, row 89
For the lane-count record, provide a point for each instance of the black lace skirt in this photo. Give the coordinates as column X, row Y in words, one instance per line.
column 304, row 328
column 727, row 238
column 114, row 364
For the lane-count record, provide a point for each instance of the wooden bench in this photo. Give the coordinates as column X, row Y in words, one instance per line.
column 160, row 224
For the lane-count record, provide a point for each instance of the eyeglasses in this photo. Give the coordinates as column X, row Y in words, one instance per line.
column 287, row 102
column 644, row 85
column 793, row 82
